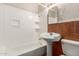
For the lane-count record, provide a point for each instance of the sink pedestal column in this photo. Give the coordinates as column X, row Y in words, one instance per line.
column 49, row 48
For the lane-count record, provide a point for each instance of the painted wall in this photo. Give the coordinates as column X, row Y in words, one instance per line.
column 69, row 11
column 17, row 30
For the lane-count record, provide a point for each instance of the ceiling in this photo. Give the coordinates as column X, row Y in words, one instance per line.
column 33, row 7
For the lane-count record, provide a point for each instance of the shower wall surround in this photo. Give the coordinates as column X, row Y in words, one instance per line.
column 17, row 30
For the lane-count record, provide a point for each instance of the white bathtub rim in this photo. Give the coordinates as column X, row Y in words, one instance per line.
column 20, row 52
column 70, row 42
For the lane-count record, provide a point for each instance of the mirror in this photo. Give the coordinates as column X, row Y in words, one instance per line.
column 53, row 15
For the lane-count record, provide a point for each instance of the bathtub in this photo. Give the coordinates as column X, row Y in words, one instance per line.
column 37, row 52
column 34, row 49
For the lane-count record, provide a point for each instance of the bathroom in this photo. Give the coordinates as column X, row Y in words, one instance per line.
column 22, row 26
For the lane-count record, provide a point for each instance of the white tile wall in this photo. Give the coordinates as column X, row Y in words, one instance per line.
column 13, row 37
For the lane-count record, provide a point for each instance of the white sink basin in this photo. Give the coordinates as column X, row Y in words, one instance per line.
column 50, row 37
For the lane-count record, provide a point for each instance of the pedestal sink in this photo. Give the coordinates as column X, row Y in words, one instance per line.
column 50, row 38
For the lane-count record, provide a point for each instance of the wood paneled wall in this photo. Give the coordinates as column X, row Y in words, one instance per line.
column 68, row 30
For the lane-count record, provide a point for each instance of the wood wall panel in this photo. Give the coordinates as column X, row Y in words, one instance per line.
column 75, row 37
column 52, row 28
column 68, row 36
column 76, row 27
column 60, row 28
column 68, row 28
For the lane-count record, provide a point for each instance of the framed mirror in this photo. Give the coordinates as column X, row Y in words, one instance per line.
column 53, row 15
